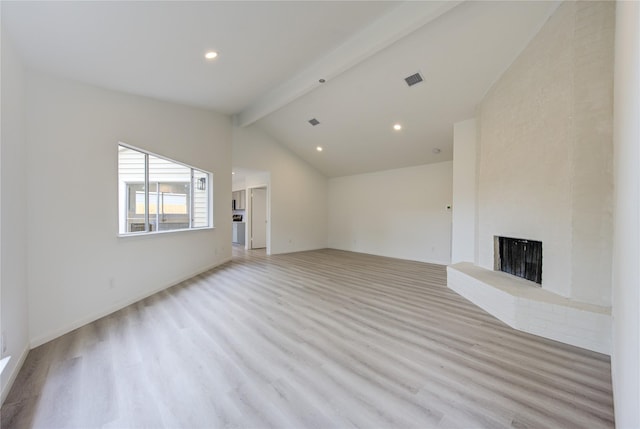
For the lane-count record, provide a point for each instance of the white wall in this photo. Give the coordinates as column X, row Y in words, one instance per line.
column 239, row 184
column 397, row 213
column 463, row 234
column 13, row 262
column 545, row 152
column 297, row 192
column 78, row 268
column 257, row 180
column 625, row 356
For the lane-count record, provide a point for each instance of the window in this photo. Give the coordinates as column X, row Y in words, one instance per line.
column 158, row 194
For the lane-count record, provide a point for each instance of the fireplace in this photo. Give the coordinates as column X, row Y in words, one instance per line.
column 519, row 257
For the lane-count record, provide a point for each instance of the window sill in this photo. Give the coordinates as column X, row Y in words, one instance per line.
column 3, row 363
column 171, row 231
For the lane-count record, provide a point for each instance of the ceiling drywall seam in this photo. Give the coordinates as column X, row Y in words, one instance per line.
column 400, row 22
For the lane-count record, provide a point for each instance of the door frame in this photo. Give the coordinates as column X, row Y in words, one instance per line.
column 247, row 244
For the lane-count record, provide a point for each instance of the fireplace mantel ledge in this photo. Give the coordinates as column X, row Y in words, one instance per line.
column 524, row 288
column 529, row 308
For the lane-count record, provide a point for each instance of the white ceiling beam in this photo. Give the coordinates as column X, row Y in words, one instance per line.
column 398, row 23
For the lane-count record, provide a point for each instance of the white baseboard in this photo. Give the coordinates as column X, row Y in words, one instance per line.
column 287, row 252
column 426, row 261
column 38, row 341
column 14, row 374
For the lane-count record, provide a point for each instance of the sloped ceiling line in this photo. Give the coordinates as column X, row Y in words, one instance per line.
column 391, row 27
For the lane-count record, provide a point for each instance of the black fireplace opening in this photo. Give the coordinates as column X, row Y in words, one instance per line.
column 520, row 257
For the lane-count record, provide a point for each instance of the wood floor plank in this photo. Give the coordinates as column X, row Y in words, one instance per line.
column 319, row 339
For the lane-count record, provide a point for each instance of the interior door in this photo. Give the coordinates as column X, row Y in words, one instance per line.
column 258, row 218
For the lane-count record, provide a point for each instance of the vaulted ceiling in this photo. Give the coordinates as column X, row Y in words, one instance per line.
column 272, row 56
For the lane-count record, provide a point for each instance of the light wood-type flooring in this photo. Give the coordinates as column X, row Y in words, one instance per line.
column 319, row 339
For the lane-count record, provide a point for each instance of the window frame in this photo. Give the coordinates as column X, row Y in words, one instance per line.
column 146, row 182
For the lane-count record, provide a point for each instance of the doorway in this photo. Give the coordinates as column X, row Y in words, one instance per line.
column 258, row 218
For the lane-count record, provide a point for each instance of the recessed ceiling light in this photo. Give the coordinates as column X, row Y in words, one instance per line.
column 397, row 127
column 233, row 172
column 211, row 55
column 319, row 148
column 435, row 150
column 321, row 80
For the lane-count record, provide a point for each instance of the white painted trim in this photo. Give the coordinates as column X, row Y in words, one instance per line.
column 311, row 249
column 170, row 231
column 38, row 341
column 3, row 363
column 147, row 153
column 14, row 374
column 424, row 261
column 248, row 205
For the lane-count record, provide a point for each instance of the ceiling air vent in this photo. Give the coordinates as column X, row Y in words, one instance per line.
column 314, row 122
column 413, row 79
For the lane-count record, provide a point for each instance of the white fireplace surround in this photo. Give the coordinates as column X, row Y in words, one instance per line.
column 537, row 162
column 523, row 306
